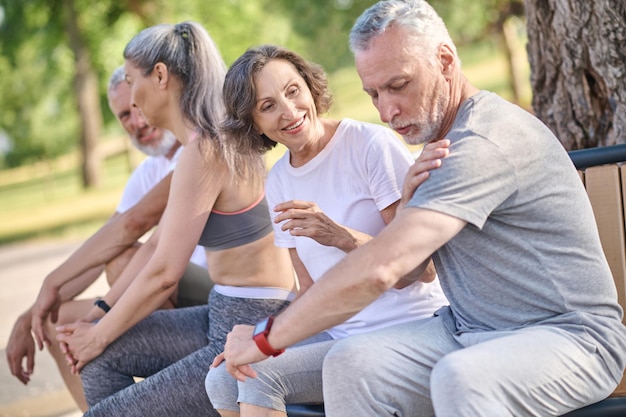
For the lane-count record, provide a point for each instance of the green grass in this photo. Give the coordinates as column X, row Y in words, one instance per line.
column 47, row 200
column 53, row 203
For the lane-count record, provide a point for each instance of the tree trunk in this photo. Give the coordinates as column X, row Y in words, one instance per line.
column 515, row 57
column 577, row 54
column 87, row 99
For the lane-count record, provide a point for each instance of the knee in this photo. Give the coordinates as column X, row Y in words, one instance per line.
column 91, row 378
column 351, row 358
column 454, row 378
column 90, row 372
column 221, row 388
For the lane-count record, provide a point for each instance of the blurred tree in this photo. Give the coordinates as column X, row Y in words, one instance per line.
column 56, row 56
column 33, row 73
column 57, row 33
column 501, row 21
column 87, row 97
column 577, row 53
column 325, row 24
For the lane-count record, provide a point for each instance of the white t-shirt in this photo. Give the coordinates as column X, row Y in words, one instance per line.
column 359, row 173
column 147, row 175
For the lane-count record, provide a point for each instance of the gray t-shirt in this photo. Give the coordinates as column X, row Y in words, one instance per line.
column 530, row 253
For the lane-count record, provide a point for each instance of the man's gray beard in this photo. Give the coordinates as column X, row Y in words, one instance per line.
column 422, row 138
column 429, row 131
column 163, row 148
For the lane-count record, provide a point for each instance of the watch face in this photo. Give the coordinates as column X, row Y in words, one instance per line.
column 260, row 326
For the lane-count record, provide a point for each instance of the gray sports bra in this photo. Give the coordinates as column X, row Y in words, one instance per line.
column 228, row 230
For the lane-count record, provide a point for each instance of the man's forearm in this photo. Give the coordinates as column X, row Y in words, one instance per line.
column 121, row 231
column 80, row 283
column 364, row 274
column 424, row 273
column 108, row 242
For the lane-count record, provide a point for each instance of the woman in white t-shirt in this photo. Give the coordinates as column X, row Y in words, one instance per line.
column 335, row 188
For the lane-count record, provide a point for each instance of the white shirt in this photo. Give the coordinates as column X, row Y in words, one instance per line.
column 358, row 174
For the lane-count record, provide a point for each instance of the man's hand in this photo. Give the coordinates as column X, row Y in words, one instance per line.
column 239, row 352
column 21, row 346
column 79, row 343
column 47, row 305
column 429, row 159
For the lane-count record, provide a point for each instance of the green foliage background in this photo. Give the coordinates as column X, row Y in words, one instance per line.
column 38, row 111
column 43, row 197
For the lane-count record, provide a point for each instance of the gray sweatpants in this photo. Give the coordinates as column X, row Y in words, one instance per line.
column 172, row 350
column 423, row 368
column 294, row 377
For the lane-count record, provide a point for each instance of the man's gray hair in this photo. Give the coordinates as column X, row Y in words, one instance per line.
column 417, row 17
column 117, row 77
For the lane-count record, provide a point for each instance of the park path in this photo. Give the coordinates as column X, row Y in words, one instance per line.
column 23, row 267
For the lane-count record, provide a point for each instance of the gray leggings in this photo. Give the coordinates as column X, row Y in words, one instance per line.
column 172, row 350
column 291, row 378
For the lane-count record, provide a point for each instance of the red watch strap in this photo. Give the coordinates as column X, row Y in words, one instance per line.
column 262, row 343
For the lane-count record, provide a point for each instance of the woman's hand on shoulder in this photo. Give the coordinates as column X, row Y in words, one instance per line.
column 429, row 159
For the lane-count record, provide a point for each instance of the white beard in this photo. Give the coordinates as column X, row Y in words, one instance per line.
column 161, row 149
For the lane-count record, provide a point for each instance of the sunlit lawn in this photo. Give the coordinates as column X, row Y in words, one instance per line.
column 52, row 204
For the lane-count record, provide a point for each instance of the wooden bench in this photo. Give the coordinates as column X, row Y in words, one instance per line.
column 604, row 177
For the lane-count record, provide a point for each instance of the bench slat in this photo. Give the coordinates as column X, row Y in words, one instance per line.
column 607, row 196
column 604, row 188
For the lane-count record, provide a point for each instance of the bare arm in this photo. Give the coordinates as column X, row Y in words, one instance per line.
column 365, row 274
column 429, row 159
column 20, row 350
column 180, row 229
column 304, row 279
column 116, row 235
column 351, row 285
column 132, row 270
column 120, row 232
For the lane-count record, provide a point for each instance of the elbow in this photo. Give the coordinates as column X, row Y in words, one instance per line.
column 168, row 277
column 135, row 226
column 165, row 283
column 429, row 274
column 381, row 279
column 168, row 285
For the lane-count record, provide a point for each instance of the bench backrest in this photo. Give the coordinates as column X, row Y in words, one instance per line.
column 605, row 181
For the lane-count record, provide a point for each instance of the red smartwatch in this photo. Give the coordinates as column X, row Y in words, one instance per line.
column 261, row 331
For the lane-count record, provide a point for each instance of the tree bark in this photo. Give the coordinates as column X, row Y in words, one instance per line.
column 577, row 54
column 87, row 99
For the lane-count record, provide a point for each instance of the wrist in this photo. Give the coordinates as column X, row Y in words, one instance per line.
column 102, row 305
column 25, row 320
column 260, row 337
column 348, row 243
column 94, row 314
column 99, row 336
